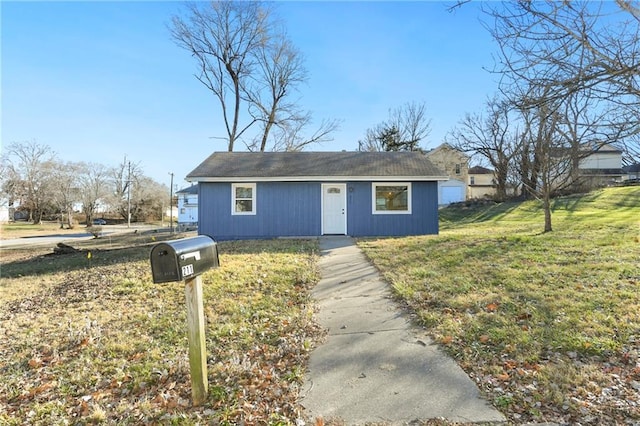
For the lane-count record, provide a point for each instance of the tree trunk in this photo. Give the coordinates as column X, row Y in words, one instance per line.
column 236, row 107
column 70, row 219
column 267, row 129
column 547, row 209
column 37, row 218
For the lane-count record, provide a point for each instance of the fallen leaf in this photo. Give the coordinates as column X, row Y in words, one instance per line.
column 492, row 307
column 510, row 364
column 503, row 377
column 35, row 362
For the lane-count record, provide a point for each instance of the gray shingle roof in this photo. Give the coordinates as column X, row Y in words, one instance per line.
column 193, row 189
column 299, row 166
column 479, row 170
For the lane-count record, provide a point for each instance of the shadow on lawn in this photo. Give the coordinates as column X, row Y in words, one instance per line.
column 94, row 255
column 599, row 207
column 82, row 259
column 481, row 213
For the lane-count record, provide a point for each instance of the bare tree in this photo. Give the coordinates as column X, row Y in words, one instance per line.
column 12, row 187
column 281, row 69
column 569, row 49
column 123, row 178
column 405, row 128
column 95, row 187
column 65, row 190
column 224, row 37
column 29, row 167
column 550, row 162
column 249, row 63
column 493, row 136
column 631, row 150
column 292, row 135
column 372, row 141
column 562, row 64
column 150, row 197
column 570, row 46
column 411, row 121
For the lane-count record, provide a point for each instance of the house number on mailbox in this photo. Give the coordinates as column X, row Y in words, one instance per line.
column 187, row 270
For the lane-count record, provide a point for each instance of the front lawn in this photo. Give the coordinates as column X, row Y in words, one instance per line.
column 87, row 338
column 548, row 325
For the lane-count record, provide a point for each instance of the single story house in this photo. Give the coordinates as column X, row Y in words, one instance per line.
column 253, row 195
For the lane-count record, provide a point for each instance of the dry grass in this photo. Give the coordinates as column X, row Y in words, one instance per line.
column 28, row 229
column 548, row 325
column 90, row 339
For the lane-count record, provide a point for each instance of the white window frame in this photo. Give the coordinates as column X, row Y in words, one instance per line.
column 233, row 198
column 374, row 206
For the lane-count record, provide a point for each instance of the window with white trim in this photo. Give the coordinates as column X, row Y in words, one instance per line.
column 243, row 198
column 391, row 197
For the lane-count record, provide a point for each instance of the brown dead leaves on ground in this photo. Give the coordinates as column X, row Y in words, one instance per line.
column 102, row 344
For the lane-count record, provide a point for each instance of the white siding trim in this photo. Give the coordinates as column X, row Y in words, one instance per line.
column 319, row 179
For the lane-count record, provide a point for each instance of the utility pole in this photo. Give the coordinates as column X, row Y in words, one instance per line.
column 171, row 204
column 129, row 196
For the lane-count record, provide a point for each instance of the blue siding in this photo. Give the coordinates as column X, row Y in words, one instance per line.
column 282, row 209
column 294, row 209
column 362, row 222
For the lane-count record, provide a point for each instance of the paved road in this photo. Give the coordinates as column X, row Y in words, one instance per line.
column 52, row 239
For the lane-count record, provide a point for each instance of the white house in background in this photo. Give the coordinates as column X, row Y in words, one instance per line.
column 601, row 167
column 188, row 207
column 455, row 165
column 631, row 172
column 4, row 210
column 482, row 183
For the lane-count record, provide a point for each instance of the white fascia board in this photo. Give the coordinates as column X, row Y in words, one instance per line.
column 320, row 179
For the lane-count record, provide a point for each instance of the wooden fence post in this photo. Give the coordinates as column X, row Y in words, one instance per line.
column 197, row 346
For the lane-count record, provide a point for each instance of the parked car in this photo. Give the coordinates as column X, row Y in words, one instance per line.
column 99, row 222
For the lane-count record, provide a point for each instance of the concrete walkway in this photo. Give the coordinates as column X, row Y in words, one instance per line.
column 375, row 366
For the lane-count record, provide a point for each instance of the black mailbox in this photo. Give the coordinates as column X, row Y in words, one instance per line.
column 178, row 260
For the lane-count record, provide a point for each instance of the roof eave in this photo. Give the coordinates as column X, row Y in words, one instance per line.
column 315, row 178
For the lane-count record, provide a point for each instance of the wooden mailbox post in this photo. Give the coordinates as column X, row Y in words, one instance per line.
column 186, row 259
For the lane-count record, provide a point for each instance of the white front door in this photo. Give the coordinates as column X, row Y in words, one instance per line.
column 334, row 205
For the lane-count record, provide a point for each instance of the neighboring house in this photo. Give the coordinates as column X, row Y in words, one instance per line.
column 631, row 172
column 601, row 167
column 188, row 207
column 4, row 210
column 455, row 165
column 482, row 183
column 171, row 213
column 251, row 195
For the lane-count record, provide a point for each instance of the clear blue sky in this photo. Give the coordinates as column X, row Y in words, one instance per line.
column 100, row 80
